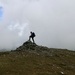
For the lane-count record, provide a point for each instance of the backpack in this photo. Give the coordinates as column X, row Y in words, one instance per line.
column 33, row 34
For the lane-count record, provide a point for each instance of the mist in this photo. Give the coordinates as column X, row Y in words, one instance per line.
column 53, row 21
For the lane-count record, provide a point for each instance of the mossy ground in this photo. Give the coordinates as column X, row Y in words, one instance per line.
column 31, row 59
column 30, row 63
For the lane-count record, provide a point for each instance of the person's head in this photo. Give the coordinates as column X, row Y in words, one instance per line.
column 31, row 32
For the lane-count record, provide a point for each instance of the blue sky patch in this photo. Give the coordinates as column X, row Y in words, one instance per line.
column 1, row 11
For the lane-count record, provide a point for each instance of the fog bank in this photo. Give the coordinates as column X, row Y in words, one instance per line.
column 53, row 21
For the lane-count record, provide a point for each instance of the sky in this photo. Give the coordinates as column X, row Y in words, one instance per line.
column 53, row 22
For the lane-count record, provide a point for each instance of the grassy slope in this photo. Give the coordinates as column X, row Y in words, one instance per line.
column 33, row 63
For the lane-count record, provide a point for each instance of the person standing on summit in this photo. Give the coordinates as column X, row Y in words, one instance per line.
column 32, row 36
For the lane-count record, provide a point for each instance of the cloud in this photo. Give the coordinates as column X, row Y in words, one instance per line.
column 51, row 20
column 18, row 27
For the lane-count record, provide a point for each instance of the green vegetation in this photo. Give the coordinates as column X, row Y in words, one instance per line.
column 31, row 59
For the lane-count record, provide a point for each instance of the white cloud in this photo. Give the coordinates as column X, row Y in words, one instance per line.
column 52, row 21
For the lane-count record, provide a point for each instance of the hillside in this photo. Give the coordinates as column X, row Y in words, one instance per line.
column 31, row 59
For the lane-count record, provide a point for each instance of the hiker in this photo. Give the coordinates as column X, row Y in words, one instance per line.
column 32, row 36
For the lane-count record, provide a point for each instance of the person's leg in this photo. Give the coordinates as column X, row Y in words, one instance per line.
column 33, row 39
column 29, row 38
